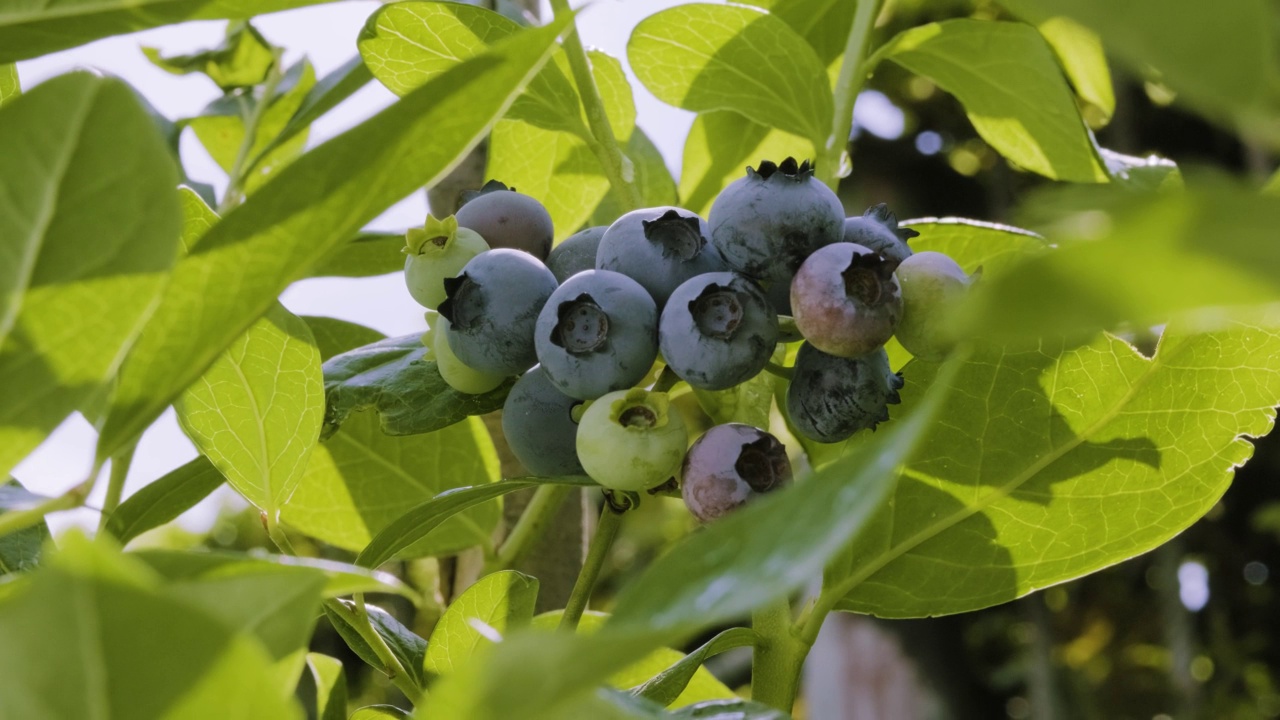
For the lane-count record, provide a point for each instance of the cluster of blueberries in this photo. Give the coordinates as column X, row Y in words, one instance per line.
column 582, row 325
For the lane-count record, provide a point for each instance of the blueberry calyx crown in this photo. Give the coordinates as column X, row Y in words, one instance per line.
column 434, row 233
column 581, row 327
column 881, row 214
column 788, row 168
column 640, row 410
column 488, row 187
column 867, row 276
column 677, row 235
column 717, row 311
column 763, row 464
column 456, row 307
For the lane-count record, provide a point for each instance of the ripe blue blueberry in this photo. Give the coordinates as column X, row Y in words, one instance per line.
column 830, row 398
column 537, row 421
column 436, row 251
column 729, row 466
column 717, row 330
column 597, row 333
column 631, row 440
column 767, row 223
column 508, row 219
column 492, row 308
column 878, row 229
column 659, row 248
column 845, row 300
column 576, row 253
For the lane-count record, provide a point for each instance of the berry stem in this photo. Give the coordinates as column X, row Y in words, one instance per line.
column 115, row 483
column 781, row 371
column 234, row 194
column 667, row 379
column 778, row 657
column 606, row 532
column 853, row 73
column 533, row 521
column 15, row 520
column 357, row 618
column 604, row 143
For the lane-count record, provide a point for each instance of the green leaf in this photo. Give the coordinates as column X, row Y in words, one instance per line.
column 535, row 675
column 408, row 44
column 20, row 551
column 1149, row 174
column 697, row 686
column 729, row 710
column 394, row 378
column 556, row 168
column 73, row 648
column 222, row 133
column 379, row 712
column 257, row 412
column 413, row 526
column 87, row 239
column 1219, row 55
column 302, row 214
column 1080, row 52
column 718, row 150
column 665, row 687
column 483, row 614
column 339, row 578
column 334, row 337
column 242, row 60
column 1090, row 282
column 704, row 57
column 197, row 218
column 825, row 24
column 365, row 255
column 1273, row 185
column 324, row 96
column 331, row 686
column 10, row 87
column 361, row 480
column 975, row 244
column 1011, row 87
column 30, row 29
column 163, row 500
column 1017, row 490
column 407, row 646
column 776, row 546
column 277, row 603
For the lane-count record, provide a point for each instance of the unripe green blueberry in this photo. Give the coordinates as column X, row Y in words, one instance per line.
column 932, row 285
column 459, row 377
column 437, row 250
column 631, row 440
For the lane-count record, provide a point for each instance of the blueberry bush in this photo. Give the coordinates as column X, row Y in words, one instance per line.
column 1046, row 402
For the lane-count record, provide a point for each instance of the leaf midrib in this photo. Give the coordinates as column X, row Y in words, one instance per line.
column 930, row 531
column 35, row 240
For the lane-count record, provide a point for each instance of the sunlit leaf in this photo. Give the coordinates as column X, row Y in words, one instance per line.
column 164, row 499
column 257, row 412
column 87, row 239
column 482, row 614
column 1012, row 89
column 705, row 57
